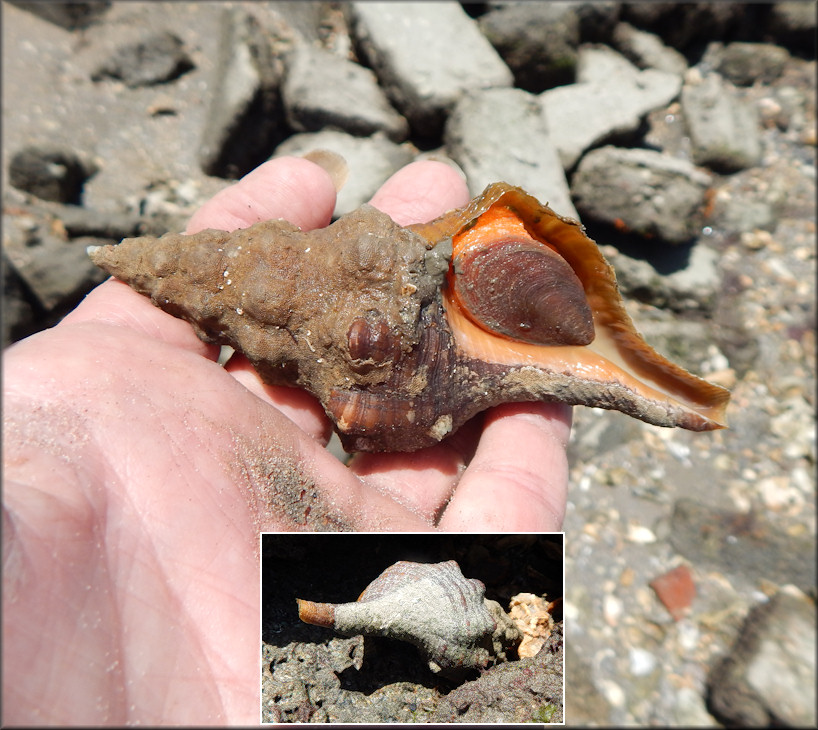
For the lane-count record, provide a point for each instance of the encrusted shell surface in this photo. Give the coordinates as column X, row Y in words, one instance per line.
column 403, row 334
column 532, row 615
column 430, row 605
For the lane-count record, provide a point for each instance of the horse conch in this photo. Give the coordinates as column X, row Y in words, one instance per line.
column 404, row 333
column 430, row 605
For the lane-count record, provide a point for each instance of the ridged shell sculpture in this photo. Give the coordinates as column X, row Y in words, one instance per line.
column 430, row 605
column 404, row 333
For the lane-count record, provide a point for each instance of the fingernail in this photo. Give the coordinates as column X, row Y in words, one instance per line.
column 335, row 165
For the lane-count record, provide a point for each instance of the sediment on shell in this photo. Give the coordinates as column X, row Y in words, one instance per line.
column 364, row 315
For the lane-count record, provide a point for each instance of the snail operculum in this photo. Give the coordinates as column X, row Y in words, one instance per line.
column 516, row 286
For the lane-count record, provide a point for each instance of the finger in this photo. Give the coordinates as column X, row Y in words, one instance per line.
column 115, row 303
column 303, row 409
column 518, row 478
column 420, row 192
column 425, row 480
column 291, row 188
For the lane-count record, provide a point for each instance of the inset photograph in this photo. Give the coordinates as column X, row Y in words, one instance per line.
column 374, row 628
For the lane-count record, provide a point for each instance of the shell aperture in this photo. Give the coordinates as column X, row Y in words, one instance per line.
column 513, row 285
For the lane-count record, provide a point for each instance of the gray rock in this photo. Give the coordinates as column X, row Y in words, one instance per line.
column 745, row 63
column 646, row 50
column 684, row 279
column 739, row 207
column 683, row 25
column 244, row 120
column 18, row 318
column 601, row 64
column 517, row 31
column 749, row 546
column 747, row 201
column 667, row 133
column 642, row 191
column 741, row 216
column 50, row 173
column 155, row 59
column 582, row 115
column 426, row 55
column 69, row 15
column 78, row 221
column 685, row 341
column 302, row 20
column 57, row 272
column 724, row 130
column 602, row 436
column 323, row 90
column 793, row 25
column 500, row 135
column 696, row 285
column 371, row 161
column 769, row 676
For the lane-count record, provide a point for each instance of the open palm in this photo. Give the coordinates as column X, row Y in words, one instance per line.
column 138, row 474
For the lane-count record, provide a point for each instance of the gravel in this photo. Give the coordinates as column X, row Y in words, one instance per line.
column 609, row 100
column 502, row 134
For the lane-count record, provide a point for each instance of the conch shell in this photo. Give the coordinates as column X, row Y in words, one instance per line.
column 430, row 605
column 404, row 333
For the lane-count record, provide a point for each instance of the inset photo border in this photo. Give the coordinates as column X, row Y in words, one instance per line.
column 476, row 640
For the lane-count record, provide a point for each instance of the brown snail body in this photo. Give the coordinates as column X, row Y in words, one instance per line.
column 430, row 605
column 404, row 333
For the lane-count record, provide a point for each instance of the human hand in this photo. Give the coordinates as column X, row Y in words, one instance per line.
column 516, row 478
column 138, row 474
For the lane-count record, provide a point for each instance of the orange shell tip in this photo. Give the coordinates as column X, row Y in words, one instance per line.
column 318, row 614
